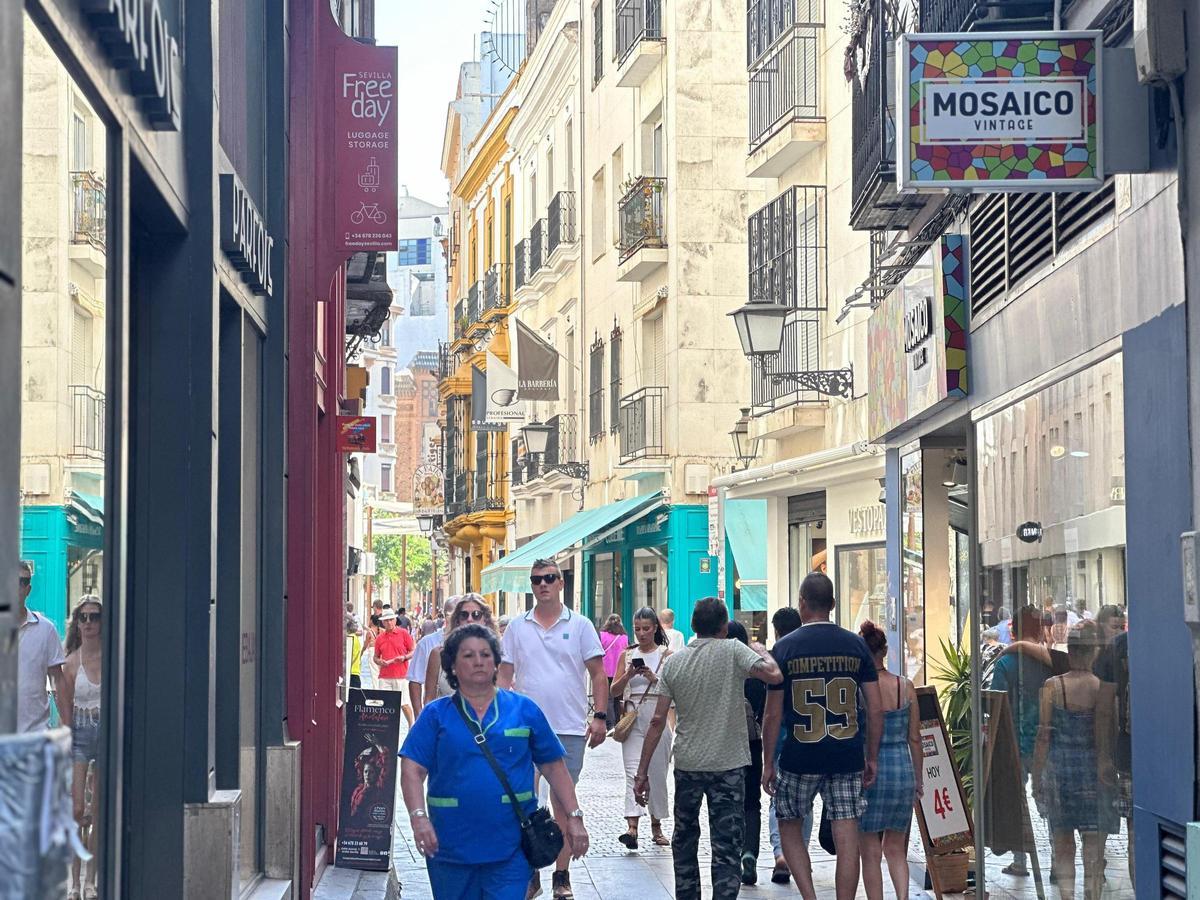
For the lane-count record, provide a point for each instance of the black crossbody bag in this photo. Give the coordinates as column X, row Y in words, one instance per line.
column 541, row 838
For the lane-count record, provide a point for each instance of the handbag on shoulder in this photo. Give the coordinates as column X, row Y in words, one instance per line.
column 541, row 838
column 624, row 727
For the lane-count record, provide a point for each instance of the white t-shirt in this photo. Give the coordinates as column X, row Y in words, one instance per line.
column 39, row 650
column 674, row 639
column 420, row 660
column 549, row 666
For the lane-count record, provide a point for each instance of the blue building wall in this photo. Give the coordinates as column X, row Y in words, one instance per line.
column 46, row 538
column 1158, row 509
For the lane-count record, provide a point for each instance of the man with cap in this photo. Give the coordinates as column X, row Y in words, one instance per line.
column 393, row 650
column 420, row 659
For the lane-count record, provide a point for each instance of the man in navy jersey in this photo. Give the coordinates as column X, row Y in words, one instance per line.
column 825, row 668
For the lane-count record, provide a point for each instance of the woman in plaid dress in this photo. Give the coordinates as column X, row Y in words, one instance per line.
column 884, row 825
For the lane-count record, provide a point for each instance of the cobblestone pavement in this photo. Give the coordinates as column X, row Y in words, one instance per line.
column 609, row 871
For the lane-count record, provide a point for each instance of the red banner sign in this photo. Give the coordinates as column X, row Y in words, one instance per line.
column 364, row 148
column 356, row 434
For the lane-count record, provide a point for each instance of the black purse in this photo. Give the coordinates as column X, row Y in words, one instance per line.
column 541, row 838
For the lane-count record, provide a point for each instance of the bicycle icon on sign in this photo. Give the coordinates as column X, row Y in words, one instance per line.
column 368, row 211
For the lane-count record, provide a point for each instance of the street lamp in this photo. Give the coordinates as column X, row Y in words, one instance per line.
column 537, row 440
column 745, row 448
column 760, row 329
column 425, row 522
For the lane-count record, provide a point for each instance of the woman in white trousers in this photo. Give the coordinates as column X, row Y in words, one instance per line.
column 636, row 680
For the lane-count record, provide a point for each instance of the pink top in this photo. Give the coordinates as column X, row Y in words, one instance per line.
column 614, row 645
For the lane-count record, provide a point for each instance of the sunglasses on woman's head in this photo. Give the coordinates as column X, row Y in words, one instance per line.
column 538, row 579
column 88, row 617
column 473, row 614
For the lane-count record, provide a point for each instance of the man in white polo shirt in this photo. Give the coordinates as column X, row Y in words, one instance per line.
column 549, row 653
column 39, row 654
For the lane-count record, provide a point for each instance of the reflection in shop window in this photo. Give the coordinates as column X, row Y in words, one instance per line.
column 862, row 585
column 1052, row 555
column 63, row 388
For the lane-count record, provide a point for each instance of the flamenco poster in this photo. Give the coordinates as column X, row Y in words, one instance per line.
column 368, row 796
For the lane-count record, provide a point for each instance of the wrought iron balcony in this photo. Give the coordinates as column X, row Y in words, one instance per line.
column 460, row 319
column 480, row 499
column 800, row 351
column 88, row 209
column 495, row 287
column 539, row 238
column 985, row 15
column 784, row 85
column 788, row 241
column 444, row 361
column 457, row 502
column 769, row 21
column 521, row 264
column 642, row 423
column 87, row 421
column 642, row 216
column 473, row 303
column 637, row 20
column 875, row 203
column 560, row 220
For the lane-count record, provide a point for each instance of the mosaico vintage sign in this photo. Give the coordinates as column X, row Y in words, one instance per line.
column 364, row 147
column 992, row 112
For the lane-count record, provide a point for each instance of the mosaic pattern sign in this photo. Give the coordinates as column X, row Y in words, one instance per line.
column 1000, row 112
column 917, row 339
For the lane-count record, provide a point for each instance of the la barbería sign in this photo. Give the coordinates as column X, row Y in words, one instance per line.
column 139, row 38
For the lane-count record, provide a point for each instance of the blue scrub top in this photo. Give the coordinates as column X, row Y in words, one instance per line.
column 470, row 812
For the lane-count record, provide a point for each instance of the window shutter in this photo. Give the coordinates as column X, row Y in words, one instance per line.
column 81, row 348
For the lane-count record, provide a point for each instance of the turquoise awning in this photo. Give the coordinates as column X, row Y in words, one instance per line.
column 512, row 572
column 746, row 531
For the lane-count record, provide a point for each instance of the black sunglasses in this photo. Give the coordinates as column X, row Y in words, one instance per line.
column 473, row 614
column 538, row 579
column 88, row 617
column 25, row 582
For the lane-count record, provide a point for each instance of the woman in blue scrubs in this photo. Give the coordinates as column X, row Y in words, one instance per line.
column 466, row 828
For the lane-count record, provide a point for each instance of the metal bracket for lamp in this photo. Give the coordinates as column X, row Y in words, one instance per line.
column 577, row 470
column 828, row 382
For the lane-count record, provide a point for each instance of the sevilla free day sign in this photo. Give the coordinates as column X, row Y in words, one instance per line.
column 364, row 150
column 1016, row 112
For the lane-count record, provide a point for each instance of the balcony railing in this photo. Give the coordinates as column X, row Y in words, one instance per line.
column 538, row 240
column 480, row 499
column 560, row 220
column 88, row 210
column 875, row 203
column 456, row 494
column 642, row 213
column 460, row 319
column 473, row 303
column 521, row 264
column 444, row 361
column 495, row 287
column 985, row 15
column 784, row 85
column 768, row 21
column 87, row 421
column 636, row 21
column 788, row 243
column 563, row 445
column 642, row 424
column 800, row 351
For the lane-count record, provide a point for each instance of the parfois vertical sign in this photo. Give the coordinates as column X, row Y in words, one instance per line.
column 1000, row 112
column 364, row 152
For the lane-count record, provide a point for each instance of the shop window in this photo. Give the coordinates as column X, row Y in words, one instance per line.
column 606, row 587
column 650, row 577
column 912, row 564
column 862, row 585
column 1052, row 560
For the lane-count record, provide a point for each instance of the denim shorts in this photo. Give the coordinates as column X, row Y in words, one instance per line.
column 85, row 740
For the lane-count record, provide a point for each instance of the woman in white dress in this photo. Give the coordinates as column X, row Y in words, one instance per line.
column 83, row 668
column 636, row 681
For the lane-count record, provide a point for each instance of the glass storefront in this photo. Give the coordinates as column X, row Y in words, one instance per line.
column 606, row 587
column 912, row 565
column 1056, row 717
column 650, row 577
column 862, row 585
column 64, row 343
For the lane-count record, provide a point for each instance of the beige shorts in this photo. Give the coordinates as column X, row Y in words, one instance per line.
column 394, row 684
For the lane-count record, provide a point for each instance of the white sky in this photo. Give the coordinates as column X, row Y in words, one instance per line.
column 434, row 37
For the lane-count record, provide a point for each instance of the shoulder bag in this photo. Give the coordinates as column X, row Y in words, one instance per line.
column 624, row 727
column 541, row 838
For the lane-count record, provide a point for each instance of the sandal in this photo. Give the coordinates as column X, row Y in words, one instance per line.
column 659, row 839
column 629, row 839
column 781, row 874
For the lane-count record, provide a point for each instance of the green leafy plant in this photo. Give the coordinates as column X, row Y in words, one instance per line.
column 953, row 672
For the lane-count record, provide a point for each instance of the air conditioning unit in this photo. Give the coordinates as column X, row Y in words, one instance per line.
column 696, row 478
column 1158, row 40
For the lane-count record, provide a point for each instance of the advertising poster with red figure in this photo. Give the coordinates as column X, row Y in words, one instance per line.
column 368, row 796
column 364, row 150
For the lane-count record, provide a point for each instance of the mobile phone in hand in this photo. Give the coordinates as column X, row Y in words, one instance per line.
column 638, row 663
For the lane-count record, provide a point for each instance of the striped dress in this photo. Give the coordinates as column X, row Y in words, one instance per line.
column 890, row 798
